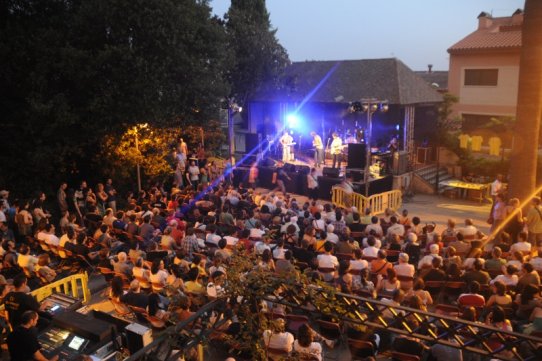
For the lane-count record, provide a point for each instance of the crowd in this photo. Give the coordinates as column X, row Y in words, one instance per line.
column 167, row 253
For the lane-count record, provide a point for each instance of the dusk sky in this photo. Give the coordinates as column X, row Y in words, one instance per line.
column 418, row 32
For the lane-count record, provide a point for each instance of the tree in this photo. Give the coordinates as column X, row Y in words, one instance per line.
column 447, row 127
column 523, row 161
column 259, row 57
column 74, row 72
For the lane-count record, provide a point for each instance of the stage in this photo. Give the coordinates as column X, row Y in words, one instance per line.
column 298, row 170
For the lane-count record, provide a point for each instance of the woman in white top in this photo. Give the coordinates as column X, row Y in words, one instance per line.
column 158, row 275
column 278, row 338
column 357, row 263
column 305, row 345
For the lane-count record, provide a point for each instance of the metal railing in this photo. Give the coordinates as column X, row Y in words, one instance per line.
column 75, row 285
column 187, row 335
column 378, row 203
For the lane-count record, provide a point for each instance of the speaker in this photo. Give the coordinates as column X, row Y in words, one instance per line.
column 137, row 337
column 289, row 167
column 331, row 172
column 324, row 186
column 355, row 174
column 303, row 169
column 400, row 162
column 357, row 155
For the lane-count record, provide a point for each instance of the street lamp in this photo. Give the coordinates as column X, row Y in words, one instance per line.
column 233, row 108
column 137, row 128
column 370, row 106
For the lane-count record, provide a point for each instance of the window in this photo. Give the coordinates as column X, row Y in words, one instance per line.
column 487, row 77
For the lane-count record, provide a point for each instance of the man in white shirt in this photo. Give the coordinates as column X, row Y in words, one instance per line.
column 428, row 260
column 374, row 226
column 262, row 245
column 336, row 149
column 312, row 184
column 193, row 175
column 404, row 268
column 395, row 228
column 496, row 187
column 48, row 235
column 330, row 236
column 469, row 230
column 537, row 261
column 371, row 250
column 327, row 260
column 318, row 149
column 286, row 142
column 288, row 221
column 522, row 245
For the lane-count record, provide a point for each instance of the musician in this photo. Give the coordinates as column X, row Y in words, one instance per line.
column 336, row 149
column 318, row 149
column 286, row 141
column 394, row 145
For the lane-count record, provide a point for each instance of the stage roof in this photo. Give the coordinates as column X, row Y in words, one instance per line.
column 352, row 80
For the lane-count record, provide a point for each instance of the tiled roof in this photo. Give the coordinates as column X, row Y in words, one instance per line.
column 500, row 34
column 351, row 80
column 438, row 77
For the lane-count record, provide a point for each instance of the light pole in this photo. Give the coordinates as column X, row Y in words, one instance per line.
column 370, row 106
column 232, row 109
column 138, row 167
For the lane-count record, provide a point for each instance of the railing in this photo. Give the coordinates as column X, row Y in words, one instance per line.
column 378, row 203
column 75, row 286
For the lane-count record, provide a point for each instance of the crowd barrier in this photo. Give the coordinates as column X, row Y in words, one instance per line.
column 75, row 286
column 378, row 203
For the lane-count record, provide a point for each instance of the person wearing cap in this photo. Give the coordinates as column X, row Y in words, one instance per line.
column 534, row 222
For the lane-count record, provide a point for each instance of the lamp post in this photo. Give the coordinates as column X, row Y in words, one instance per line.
column 370, row 106
column 138, row 167
column 232, row 109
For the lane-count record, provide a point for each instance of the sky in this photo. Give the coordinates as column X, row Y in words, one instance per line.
column 417, row 32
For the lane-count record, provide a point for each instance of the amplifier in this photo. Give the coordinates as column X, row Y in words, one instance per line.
column 331, row 172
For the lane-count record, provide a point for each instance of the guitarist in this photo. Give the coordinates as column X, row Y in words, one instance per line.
column 286, row 141
column 318, row 149
column 336, row 150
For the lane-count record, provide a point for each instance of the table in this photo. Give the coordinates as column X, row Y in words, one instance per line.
column 475, row 191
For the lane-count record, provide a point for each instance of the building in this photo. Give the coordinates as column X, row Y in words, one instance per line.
column 320, row 94
column 484, row 72
column 438, row 79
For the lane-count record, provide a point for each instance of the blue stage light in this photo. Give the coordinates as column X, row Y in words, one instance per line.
column 292, row 120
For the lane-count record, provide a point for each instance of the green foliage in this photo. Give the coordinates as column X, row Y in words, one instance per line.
column 75, row 72
column 447, row 127
column 259, row 58
column 483, row 166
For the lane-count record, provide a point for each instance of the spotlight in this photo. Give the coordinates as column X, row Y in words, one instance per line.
column 292, row 120
column 355, row 107
column 374, row 107
column 365, row 107
column 384, row 107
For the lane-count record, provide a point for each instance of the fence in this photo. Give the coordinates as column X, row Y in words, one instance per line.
column 377, row 202
column 75, row 286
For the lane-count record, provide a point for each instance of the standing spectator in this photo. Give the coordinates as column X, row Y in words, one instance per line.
column 24, row 220
column 534, row 222
column 18, row 301
column 61, row 198
column 312, row 184
column 111, row 195
column 193, row 175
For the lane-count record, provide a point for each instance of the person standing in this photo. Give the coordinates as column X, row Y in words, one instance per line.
column 312, row 184
column 497, row 187
column 318, row 149
column 183, row 148
column 111, row 195
column 336, row 149
column 193, row 175
column 534, row 222
column 281, row 178
column 253, row 175
column 61, row 198
column 286, row 141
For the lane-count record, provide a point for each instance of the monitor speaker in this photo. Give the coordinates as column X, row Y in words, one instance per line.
column 357, row 155
column 331, row 172
column 324, row 186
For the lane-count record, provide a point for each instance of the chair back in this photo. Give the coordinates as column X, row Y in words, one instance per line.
column 329, row 330
column 399, row 356
column 360, row 349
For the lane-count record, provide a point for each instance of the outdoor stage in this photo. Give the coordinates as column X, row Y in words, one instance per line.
column 297, row 170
